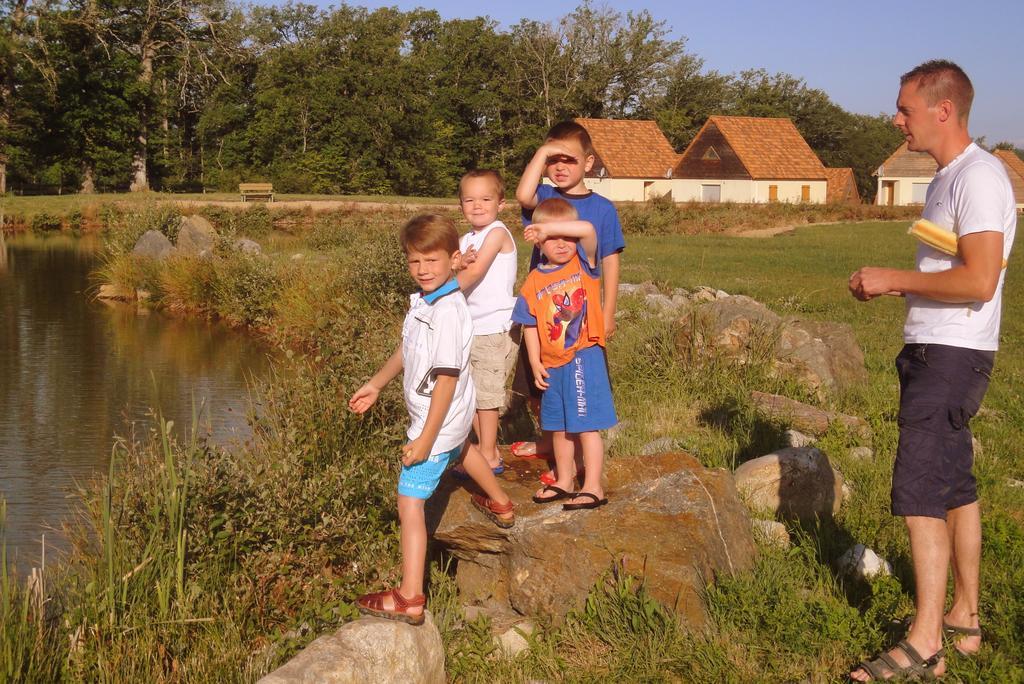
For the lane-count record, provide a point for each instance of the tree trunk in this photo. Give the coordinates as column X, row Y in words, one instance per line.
column 88, row 179
column 140, row 175
column 3, row 181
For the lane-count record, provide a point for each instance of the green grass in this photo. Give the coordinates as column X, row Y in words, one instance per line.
column 289, row 529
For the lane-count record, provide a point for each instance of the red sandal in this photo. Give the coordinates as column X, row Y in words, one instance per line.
column 373, row 604
column 549, row 478
column 515, row 447
column 494, row 510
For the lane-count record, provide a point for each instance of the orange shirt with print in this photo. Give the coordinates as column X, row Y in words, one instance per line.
column 565, row 302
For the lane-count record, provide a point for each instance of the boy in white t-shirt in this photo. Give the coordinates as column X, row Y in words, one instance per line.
column 439, row 394
column 488, row 282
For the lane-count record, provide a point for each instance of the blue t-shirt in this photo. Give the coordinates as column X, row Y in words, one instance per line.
column 590, row 207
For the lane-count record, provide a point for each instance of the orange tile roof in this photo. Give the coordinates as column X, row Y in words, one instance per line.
column 768, row 148
column 841, row 185
column 630, row 148
column 1015, row 170
column 906, row 164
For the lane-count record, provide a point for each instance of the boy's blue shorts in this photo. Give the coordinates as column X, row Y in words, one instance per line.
column 420, row 480
column 579, row 395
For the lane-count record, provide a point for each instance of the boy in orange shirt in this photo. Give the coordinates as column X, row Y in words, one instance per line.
column 564, row 331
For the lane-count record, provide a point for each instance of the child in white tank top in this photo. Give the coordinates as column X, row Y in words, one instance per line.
column 488, row 280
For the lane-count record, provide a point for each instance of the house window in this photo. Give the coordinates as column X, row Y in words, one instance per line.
column 919, row 192
column 710, row 193
column 710, row 154
column 773, row 193
column 805, row 193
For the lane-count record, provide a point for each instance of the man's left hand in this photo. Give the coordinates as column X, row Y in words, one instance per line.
column 871, row 281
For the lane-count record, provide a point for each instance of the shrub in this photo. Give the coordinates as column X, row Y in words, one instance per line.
column 246, row 289
column 46, row 223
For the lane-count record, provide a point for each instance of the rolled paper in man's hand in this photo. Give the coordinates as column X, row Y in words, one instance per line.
column 937, row 238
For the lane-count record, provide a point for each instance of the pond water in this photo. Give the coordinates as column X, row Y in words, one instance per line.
column 75, row 371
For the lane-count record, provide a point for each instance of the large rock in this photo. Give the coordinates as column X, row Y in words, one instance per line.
column 823, row 356
column 807, row 418
column 154, row 245
column 368, row 650
column 668, row 517
column 196, row 236
column 247, row 246
column 826, row 353
column 791, row 483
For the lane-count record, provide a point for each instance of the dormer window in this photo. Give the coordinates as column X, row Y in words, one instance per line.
column 711, row 154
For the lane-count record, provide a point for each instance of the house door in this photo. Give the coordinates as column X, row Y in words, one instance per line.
column 710, row 193
column 888, row 193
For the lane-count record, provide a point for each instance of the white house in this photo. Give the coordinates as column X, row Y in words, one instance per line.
column 1015, row 170
column 903, row 178
column 633, row 159
column 749, row 159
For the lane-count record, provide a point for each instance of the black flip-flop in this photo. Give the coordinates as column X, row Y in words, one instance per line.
column 559, row 495
column 596, row 503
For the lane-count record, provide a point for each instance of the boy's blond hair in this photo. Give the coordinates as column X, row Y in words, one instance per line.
column 429, row 232
column 554, row 209
column 499, row 184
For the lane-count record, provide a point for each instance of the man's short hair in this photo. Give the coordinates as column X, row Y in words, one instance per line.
column 940, row 79
column 570, row 130
column 429, row 232
column 554, row 209
column 499, row 184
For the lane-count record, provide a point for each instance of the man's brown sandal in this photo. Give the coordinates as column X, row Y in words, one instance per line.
column 885, row 667
column 373, row 604
column 494, row 510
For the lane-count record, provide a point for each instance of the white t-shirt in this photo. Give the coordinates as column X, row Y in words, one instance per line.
column 970, row 195
column 491, row 300
column 436, row 339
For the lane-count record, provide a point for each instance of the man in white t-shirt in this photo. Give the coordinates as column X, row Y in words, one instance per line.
column 951, row 335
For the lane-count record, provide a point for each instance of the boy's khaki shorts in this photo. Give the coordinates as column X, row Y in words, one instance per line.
column 490, row 361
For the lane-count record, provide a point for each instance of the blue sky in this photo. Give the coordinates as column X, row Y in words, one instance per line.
column 854, row 51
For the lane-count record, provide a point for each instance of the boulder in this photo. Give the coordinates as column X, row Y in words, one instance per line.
column 196, row 236
column 154, row 245
column 669, row 518
column 861, row 453
column 368, row 650
column 795, row 438
column 247, row 246
column 772, row 532
column 113, row 292
column 826, row 354
column 862, row 562
column 806, row 418
column 791, row 483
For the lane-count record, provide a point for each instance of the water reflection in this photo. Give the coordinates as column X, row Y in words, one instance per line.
column 74, row 371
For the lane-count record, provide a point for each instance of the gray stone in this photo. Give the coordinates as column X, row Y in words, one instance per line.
column 791, row 483
column 772, row 532
column 795, row 438
column 513, row 642
column 643, row 288
column 658, row 446
column 861, row 453
column 247, row 246
column 298, row 256
column 196, row 236
column 368, row 650
column 1015, row 484
column 668, row 517
column 807, row 418
column 862, row 562
column 110, row 291
column 153, row 245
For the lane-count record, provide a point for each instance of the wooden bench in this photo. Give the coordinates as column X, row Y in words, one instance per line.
column 256, row 191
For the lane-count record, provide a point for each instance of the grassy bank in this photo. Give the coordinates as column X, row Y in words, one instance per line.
column 196, row 564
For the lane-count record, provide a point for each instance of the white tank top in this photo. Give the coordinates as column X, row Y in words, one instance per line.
column 491, row 300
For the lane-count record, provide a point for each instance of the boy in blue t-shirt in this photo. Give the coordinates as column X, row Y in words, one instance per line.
column 565, row 158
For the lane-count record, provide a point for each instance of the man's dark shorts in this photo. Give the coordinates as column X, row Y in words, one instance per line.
column 941, row 388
